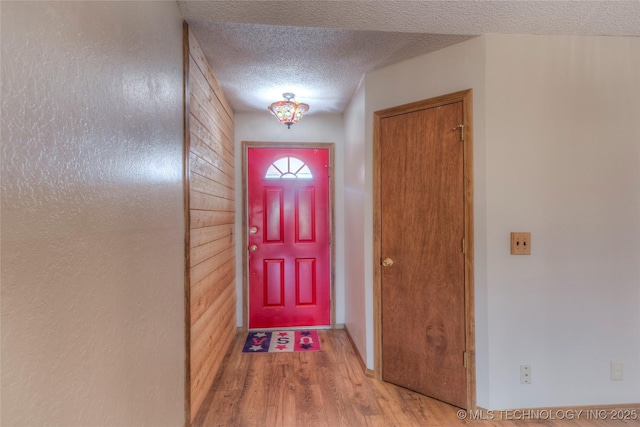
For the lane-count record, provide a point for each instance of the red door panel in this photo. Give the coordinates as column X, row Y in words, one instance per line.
column 289, row 250
column 273, row 215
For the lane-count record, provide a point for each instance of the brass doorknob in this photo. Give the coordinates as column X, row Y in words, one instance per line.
column 388, row 262
column 253, row 248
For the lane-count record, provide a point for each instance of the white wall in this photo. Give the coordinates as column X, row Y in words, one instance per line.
column 557, row 153
column 354, row 189
column 92, row 214
column 313, row 128
column 563, row 161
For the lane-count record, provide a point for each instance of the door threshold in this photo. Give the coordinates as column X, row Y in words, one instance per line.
column 291, row 328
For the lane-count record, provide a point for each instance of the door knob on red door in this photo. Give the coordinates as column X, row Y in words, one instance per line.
column 253, row 248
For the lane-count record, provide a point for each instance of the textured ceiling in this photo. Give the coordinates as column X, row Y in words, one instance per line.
column 321, row 49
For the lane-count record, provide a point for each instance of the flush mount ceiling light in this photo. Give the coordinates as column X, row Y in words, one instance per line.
column 288, row 112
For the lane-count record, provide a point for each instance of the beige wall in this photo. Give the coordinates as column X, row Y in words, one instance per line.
column 92, row 214
column 355, row 191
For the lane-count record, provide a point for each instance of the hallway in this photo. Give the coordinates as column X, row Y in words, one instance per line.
column 329, row 388
column 124, row 236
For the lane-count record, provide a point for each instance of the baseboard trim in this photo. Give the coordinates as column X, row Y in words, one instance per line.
column 358, row 356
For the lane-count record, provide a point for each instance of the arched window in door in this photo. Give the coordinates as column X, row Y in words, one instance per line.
column 288, row 168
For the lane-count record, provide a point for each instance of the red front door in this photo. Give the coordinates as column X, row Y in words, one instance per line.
column 288, row 235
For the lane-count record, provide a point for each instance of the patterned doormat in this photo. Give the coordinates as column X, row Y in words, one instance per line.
column 281, row 341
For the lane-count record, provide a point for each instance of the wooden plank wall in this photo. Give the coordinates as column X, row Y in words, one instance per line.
column 211, row 244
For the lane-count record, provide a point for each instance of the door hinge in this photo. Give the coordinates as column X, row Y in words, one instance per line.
column 464, row 358
column 461, row 127
column 464, row 248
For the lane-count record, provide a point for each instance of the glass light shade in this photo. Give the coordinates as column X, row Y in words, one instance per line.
column 288, row 112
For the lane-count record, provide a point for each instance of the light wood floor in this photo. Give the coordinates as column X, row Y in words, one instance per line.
column 329, row 388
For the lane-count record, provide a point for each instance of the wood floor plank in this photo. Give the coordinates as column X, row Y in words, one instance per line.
column 310, row 407
column 281, row 405
column 329, row 388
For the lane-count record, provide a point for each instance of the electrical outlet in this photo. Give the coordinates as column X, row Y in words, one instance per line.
column 520, row 243
column 616, row 370
column 525, row 374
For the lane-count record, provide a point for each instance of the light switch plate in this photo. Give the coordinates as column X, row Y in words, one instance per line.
column 521, row 243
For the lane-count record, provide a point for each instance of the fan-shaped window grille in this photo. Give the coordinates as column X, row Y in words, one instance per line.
column 288, row 168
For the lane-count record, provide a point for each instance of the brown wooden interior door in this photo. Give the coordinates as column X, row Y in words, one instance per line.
column 422, row 227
